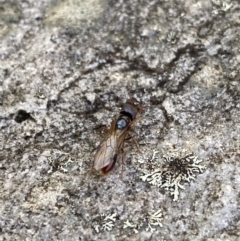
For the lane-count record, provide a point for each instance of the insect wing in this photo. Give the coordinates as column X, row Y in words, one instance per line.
column 106, row 151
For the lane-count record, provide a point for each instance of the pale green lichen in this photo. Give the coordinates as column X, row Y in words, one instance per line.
column 154, row 219
column 97, row 227
column 220, row 6
column 61, row 162
column 134, row 226
column 154, row 178
column 175, row 172
column 106, row 223
column 150, row 221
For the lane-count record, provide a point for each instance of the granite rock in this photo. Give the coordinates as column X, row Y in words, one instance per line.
column 67, row 67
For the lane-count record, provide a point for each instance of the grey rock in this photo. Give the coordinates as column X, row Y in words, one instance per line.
column 66, row 68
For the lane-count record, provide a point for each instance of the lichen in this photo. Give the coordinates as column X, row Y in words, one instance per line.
column 219, row 6
column 150, row 221
column 174, row 174
column 154, row 219
column 134, row 226
column 106, row 223
column 59, row 161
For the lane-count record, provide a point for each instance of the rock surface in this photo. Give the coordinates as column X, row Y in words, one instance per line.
column 66, row 67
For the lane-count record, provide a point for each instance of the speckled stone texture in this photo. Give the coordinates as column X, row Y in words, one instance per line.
column 66, row 68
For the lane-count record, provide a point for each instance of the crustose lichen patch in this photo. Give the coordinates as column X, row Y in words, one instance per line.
column 154, row 220
column 58, row 161
column 174, row 173
column 135, row 226
column 106, row 223
column 150, row 222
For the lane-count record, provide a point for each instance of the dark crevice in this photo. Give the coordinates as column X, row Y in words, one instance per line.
column 21, row 116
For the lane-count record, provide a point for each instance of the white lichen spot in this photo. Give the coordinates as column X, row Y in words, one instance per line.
column 150, row 222
column 174, row 174
column 96, row 227
column 40, row 93
column 154, row 178
column 154, row 219
column 51, row 162
column 154, row 155
column 59, row 161
column 145, row 159
column 133, row 226
column 107, row 226
column 63, row 169
column 69, row 160
column 106, row 223
column 127, row 224
column 220, row 6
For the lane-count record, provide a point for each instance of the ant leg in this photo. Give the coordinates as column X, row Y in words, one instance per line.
column 128, row 138
column 123, row 163
column 135, row 142
column 91, row 170
column 103, row 128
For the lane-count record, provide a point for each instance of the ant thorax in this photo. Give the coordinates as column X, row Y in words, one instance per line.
column 122, row 122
